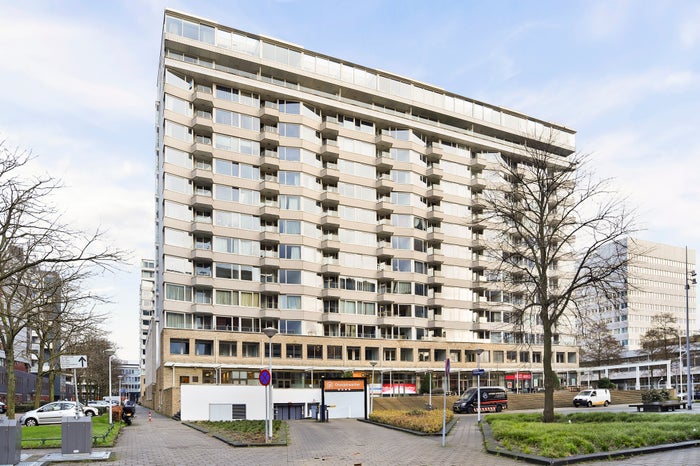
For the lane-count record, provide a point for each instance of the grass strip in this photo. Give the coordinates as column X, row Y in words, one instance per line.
column 587, row 433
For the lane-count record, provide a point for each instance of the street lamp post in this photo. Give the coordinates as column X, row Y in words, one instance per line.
column 478, row 385
column 110, row 387
column 430, row 388
column 689, row 279
column 269, row 332
column 120, row 377
column 371, row 387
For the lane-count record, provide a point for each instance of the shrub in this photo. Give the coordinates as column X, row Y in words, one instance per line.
column 654, row 395
column 606, row 383
column 417, row 419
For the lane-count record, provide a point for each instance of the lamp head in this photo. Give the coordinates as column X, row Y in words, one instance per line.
column 479, row 351
column 373, row 363
column 270, row 332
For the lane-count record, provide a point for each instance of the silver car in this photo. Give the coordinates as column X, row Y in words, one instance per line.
column 52, row 413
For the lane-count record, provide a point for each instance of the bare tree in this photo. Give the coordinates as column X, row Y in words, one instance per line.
column 598, row 346
column 68, row 314
column 95, row 376
column 561, row 233
column 662, row 340
column 34, row 239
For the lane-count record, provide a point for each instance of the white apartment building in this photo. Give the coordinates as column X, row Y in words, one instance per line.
column 655, row 284
column 335, row 203
column 147, row 303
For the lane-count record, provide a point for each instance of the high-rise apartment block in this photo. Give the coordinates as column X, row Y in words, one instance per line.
column 147, row 294
column 655, row 284
column 337, row 204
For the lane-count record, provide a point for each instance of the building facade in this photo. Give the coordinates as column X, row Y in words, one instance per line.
column 655, row 284
column 147, row 303
column 335, row 203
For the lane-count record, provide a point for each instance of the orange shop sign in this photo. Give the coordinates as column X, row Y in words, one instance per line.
column 344, row 385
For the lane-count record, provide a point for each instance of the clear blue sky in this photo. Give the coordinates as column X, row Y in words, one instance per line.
column 78, row 86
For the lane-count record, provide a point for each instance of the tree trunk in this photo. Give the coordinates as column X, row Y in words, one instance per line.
column 11, row 381
column 548, row 413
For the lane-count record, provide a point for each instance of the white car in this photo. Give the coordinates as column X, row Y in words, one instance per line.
column 52, row 413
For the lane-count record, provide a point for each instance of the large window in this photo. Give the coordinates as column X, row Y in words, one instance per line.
column 294, row 351
column 179, row 346
column 292, row 277
column 203, row 347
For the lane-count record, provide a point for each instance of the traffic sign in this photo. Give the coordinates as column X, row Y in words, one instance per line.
column 264, row 377
column 73, row 362
column 477, row 372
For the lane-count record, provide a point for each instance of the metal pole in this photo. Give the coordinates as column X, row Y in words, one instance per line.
column 430, row 389
column 444, row 406
column 110, row 388
column 687, row 334
column 478, row 391
column 271, row 405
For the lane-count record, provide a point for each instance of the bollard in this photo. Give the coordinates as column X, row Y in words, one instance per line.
column 149, row 417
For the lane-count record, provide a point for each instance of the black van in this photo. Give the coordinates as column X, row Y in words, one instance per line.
column 492, row 399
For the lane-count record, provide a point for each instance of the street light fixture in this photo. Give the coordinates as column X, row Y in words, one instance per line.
column 269, row 332
column 371, row 387
column 689, row 280
column 111, row 356
column 478, row 384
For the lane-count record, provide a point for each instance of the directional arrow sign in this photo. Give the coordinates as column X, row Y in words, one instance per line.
column 74, row 362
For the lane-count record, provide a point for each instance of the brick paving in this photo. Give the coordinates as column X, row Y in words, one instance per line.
column 338, row 442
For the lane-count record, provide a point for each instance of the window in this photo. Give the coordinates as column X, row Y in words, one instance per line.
column 289, row 178
column 314, row 351
column 251, row 349
column 334, row 352
column 290, row 277
column 227, row 348
column 288, row 251
column 203, row 347
column 290, row 227
column 536, row 357
column 290, row 327
column 560, row 357
column 179, row 346
column 294, row 351
column 184, row 379
column 390, row 354
column 178, row 292
column 498, row 356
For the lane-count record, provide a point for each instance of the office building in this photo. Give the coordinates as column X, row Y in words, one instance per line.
column 335, row 203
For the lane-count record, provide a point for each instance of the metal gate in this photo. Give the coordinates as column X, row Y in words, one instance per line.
column 289, row 411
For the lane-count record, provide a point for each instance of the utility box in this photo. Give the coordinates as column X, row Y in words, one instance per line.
column 76, row 435
column 10, row 441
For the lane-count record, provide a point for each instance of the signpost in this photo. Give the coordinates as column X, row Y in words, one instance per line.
column 74, row 362
column 444, row 399
column 264, row 377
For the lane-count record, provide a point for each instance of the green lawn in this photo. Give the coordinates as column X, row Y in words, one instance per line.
column 49, row 436
column 586, row 433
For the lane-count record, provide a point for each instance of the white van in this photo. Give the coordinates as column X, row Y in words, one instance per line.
column 594, row 397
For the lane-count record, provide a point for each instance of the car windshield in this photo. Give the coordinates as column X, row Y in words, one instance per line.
column 585, row 393
column 468, row 393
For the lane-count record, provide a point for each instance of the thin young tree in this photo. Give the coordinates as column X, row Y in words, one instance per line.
column 34, row 237
column 598, row 346
column 561, row 233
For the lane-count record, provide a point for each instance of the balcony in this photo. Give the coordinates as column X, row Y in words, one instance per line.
column 269, row 136
column 203, row 97
column 201, row 123
column 270, row 236
column 201, row 201
column 385, row 207
column 331, row 268
column 435, row 193
column 330, row 173
column 384, row 184
column 202, row 149
column 329, row 150
column 329, row 128
column 330, row 244
column 331, row 293
column 478, row 182
column 330, row 198
column 202, row 255
column 203, row 281
column 385, row 228
column 330, row 218
column 383, row 141
column 269, row 212
column 200, row 227
column 434, row 153
column 435, row 234
column 270, row 288
column 269, row 186
column 434, row 173
column 384, row 161
column 435, row 213
column 270, row 262
column 269, row 160
column 269, row 113
column 202, row 176
column 384, row 251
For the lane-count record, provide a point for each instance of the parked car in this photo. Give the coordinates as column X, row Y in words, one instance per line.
column 3, row 408
column 597, row 397
column 52, row 413
column 101, row 405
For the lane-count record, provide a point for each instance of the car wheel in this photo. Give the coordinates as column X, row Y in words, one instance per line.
column 499, row 408
column 30, row 422
column 575, row 405
column 589, row 404
column 89, row 413
column 607, row 402
column 471, row 410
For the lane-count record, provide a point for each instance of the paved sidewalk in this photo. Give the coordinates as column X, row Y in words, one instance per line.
column 338, row 442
